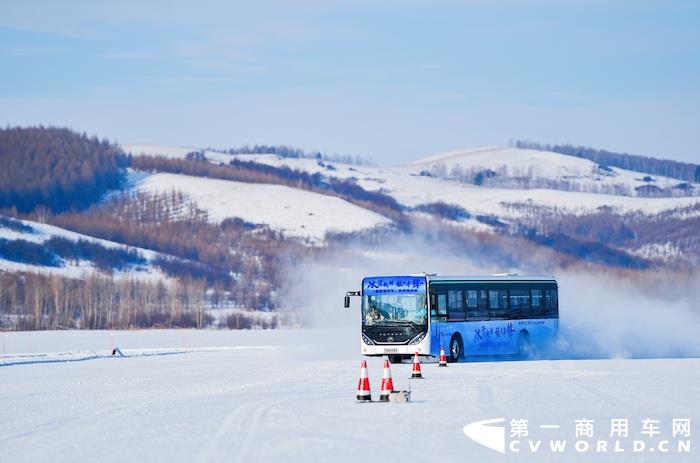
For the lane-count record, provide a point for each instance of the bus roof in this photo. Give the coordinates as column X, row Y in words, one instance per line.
column 438, row 278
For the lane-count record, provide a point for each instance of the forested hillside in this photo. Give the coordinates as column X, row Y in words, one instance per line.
column 56, row 167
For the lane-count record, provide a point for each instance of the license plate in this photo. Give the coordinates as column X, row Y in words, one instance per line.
column 390, row 350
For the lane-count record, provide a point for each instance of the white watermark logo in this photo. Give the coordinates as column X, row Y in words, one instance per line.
column 617, row 435
column 493, row 437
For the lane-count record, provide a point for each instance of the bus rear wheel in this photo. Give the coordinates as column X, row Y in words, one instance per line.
column 456, row 348
column 524, row 345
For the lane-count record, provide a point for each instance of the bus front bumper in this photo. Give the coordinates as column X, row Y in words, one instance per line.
column 423, row 348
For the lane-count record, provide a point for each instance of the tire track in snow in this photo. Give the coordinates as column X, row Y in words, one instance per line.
column 485, row 396
column 234, row 436
column 64, row 357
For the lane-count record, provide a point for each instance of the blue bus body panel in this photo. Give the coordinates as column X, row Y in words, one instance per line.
column 491, row 337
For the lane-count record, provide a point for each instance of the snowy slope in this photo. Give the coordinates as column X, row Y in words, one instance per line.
column 295, row 212
column 411, row 189
column 541, row 165
column 288, row 396
column 42, row 232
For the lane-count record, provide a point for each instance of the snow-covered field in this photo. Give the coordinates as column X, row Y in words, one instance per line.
column 289, row 395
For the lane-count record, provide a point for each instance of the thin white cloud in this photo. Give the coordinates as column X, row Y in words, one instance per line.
column 31, row 51
column 128, row 55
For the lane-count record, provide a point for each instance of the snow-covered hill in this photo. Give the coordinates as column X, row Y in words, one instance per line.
column 411, row 189
column 295, row 212
column 518, row 187
column 39, row 233
column 540, row 168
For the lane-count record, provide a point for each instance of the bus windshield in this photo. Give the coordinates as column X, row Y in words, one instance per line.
column 385, row 309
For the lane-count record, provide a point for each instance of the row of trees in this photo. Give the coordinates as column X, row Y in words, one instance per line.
column 36, row 302
column 292, row 152
column 665, row 167
column 56, row 168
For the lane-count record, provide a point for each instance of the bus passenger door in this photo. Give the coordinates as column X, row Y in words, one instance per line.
column 434, row 326
column 434, row 337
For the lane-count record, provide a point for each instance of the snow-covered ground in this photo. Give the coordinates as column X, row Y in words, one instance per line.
column 41, row 232
column 295, row 212
column 290, row 396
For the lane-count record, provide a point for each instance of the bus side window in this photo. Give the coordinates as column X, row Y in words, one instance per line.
column 555, row 303
column 455, row 305
column 477, row 304
column 551, row 304
column 442, row 305
column 483, row 303
column 472, row 305
column 519, row 302
column 498, row 302
column 536, row 302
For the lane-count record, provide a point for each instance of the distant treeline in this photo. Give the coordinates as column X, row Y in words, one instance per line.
column 56, row 168
column 286, row 151
column 664, row 167
column 444, row 211
column 39, row 302
column 52, row 251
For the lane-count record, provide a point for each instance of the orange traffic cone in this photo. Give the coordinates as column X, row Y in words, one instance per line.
column 363, row 392
column 416, row 367
column 443, row 358
column 387, row 384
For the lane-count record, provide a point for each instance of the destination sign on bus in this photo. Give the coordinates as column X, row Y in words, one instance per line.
column 393, row 285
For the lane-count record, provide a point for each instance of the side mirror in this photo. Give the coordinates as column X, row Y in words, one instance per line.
column 347, row 302
column 433, row 313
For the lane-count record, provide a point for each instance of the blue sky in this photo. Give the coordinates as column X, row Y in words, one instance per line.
column 393, row 82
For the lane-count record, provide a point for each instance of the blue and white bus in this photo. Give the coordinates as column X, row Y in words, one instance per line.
column 469, row 316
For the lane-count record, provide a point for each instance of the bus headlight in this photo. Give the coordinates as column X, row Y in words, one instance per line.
column 367, row 340
column 417, row 339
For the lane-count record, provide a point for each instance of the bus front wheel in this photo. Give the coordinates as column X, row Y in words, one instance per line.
column 456, row 347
